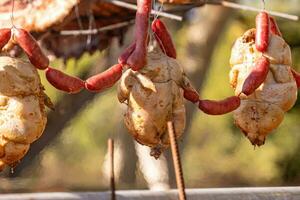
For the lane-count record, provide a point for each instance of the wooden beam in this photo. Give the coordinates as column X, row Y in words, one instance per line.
column 266, row 193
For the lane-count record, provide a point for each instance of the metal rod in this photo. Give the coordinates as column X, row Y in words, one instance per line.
column 153, row 12
column 96, row 31
column 234, row 6
column 171, row 16
column 249, row 8
column 110, row 145
column 176, row 162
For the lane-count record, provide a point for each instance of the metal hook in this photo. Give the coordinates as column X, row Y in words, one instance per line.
column 79, row 21
column 152, row 36
column 91, row 25
column 12, row 14
column 264, row 4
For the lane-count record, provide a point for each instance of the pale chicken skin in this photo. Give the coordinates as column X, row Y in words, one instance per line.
column 154, row 96
column 263, row 111
column 22, row 109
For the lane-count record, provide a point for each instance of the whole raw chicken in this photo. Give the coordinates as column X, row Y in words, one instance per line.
column 22, row 109
column 262, row 111
column 154, row 96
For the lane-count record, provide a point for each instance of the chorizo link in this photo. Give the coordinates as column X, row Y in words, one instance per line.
column 163, row 38
column 191, row 95
column 257, row 76
column 296, row 76
column 5, row 34
column 31, row 48
column 125, row 55
column 219, row 107
column 64, row 82
column 137, row 59
column 105, row 79
column 262, row 31
column 274, row 27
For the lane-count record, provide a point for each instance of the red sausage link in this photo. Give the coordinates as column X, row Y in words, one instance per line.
column 64, row 82
column 274, row 27
column 105, row 79
column 257, row 76
column 31, row 48
column 190, row 95
column 125, row 55
column 296, row 76
column 220, row 107
column 5, row 34
column 163, row 38
column 137, row 59
column 262, row 31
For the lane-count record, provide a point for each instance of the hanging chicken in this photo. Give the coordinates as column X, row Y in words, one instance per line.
column 263, row 77
column 22, row 108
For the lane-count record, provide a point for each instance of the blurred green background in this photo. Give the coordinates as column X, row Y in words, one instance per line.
column 214, row 152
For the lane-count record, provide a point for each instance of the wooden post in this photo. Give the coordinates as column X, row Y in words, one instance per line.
column 111, row 168
column 176, row 162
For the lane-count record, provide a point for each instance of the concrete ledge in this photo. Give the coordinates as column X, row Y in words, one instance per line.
column 267, row 193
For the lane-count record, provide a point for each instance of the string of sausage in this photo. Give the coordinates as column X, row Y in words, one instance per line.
column 5, row 34
column 58, row 79
column 259, row 73
column 163, row 38
column 208, row 106
column 106, row 79
column 135, row 55
column 137, row 58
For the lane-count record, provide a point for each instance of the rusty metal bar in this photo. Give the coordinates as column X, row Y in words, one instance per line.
column 254, row 193
column 176, row 161
column 153, row 12
column 110, row 145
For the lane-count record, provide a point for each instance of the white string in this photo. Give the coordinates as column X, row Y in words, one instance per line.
column 264, row 4
column 160, row 42
column 159, row 10
column 91, row 23
column 152, row 36
column 149, row 27
column 153, row 12
column 78, row 17
column 12, row 14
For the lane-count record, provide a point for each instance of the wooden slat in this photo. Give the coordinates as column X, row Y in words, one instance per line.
column 272, row 193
